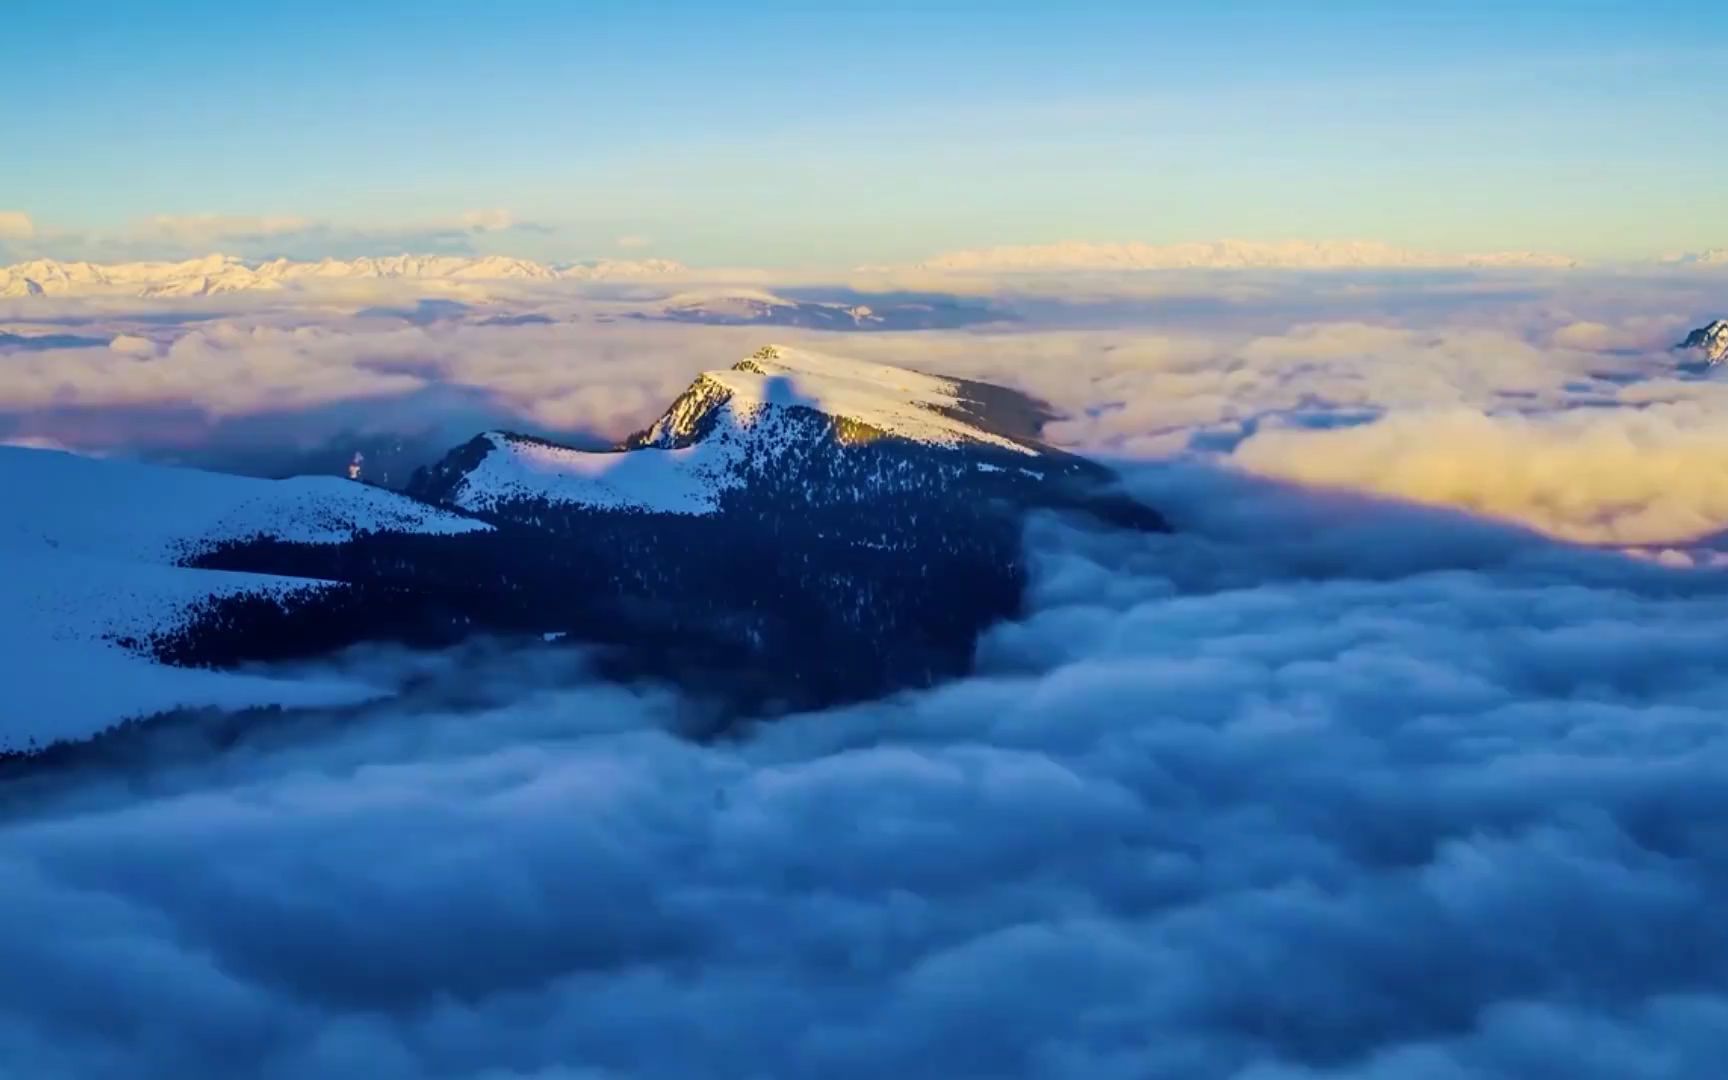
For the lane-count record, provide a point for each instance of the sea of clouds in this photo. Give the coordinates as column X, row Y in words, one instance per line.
column 1297, row 791
column 1551, row 400
column 1399, row 758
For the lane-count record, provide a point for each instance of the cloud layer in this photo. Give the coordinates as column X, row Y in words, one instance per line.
column 1396, row 795
column 1624, row 476
column 567, row 378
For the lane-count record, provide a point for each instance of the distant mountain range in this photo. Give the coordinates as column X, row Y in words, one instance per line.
column 217, row 274
column 795, row 530
column 756, row 307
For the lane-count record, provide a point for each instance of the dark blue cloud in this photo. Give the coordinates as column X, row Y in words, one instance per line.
column 1301, row 791
column 40, row 342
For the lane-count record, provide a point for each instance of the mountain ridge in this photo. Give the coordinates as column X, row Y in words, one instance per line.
column 731, row 425
column 795, row 530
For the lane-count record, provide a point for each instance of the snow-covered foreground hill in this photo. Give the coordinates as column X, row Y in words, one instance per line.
column 92, row 553
column 149, row 513
column 73, row 640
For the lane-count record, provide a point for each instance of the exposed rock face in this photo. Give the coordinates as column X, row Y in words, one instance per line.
column 1711, row 341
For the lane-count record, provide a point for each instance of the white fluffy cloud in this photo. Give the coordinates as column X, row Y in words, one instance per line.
column 607, row 382
column 488, row 220
column 16, row 225
column 212, row 231
column 1590, row 446
column 1636, row 332
column 1614, row 476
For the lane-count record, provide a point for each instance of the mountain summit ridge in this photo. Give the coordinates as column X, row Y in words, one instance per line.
column 788, row 418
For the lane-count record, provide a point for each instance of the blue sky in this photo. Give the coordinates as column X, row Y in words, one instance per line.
column 811, row 133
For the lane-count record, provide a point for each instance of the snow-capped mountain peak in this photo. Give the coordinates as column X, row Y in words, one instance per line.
column 1711, row 340
column 871, row 400
column 758, row 422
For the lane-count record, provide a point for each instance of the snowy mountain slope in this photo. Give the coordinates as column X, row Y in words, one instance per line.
column 232, row 280
column 885, row 400
column 622, row 270
column 74, row 645
column 54, row 276
column 1711, row 341
column 419, row 267
column 95, row 581
column 147, row 513
column 512, row 468
column 214, row 275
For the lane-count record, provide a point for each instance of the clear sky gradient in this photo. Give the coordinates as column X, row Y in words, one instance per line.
column 807, row 133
